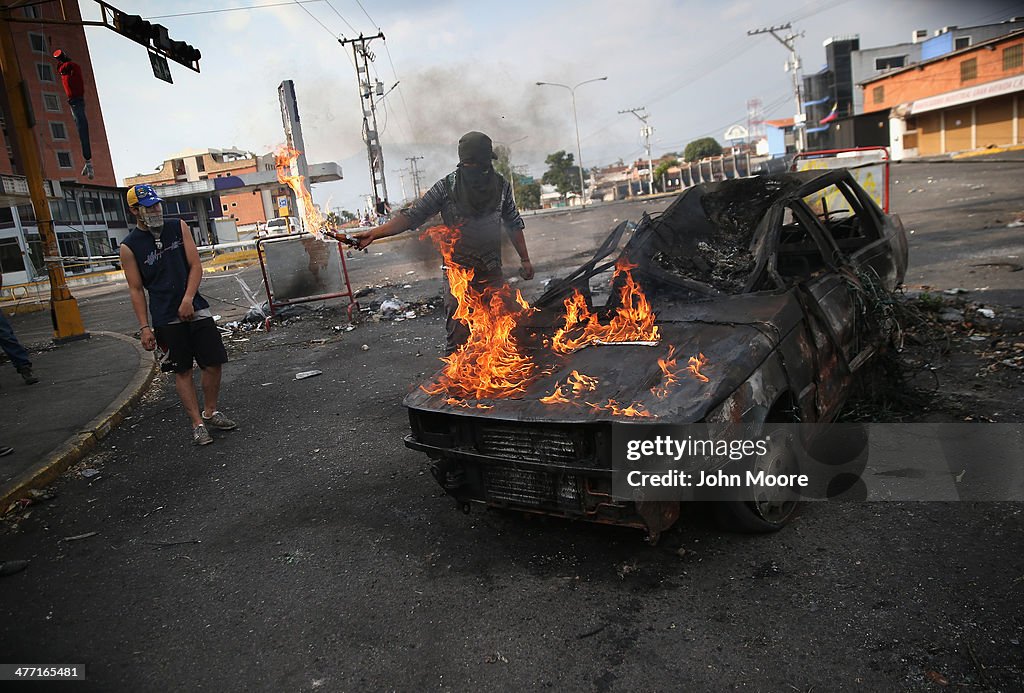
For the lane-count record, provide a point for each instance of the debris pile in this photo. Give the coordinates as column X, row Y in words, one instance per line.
column 948, row 353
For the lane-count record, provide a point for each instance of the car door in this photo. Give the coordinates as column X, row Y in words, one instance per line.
column 810, row 262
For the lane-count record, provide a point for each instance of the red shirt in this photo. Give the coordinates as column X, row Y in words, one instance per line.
column 71, row 76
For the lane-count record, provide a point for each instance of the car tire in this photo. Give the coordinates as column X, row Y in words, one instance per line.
column 769, row 511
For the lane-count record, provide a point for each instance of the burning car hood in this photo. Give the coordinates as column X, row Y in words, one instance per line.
column 734, row 333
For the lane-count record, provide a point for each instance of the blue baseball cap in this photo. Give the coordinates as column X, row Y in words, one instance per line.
column 143, row 195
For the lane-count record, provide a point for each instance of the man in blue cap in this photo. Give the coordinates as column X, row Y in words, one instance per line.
column 160, row 256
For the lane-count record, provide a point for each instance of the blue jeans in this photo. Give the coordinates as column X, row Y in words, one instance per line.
column 82, row 123
column 11, row 346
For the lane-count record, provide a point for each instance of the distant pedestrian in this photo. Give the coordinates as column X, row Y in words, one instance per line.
column 74, row 87
column 13, row 348
column 478, row 202
column 160, row 256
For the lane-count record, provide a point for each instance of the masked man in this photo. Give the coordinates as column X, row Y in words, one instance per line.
column 478, row 202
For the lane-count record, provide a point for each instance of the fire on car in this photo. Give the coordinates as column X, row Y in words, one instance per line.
column 746, row 300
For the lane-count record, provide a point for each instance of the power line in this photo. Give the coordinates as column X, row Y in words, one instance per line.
column 333, row 35
column 231, row 9
column 715, row 61
column 366, row 13
column 342, row 18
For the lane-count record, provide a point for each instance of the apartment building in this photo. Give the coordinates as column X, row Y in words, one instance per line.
column 89, row 214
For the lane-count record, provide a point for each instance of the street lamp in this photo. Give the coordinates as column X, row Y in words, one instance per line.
column 579, row 154
column 511, row 170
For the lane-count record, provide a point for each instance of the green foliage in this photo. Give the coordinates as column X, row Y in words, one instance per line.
column 931, row 303
column 701, row 148
column 660, row 169
column 528, row 195
column 336, row 219
column 503, row 164
column 562, row 172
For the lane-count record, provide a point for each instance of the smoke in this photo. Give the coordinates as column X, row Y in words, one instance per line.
column 435, row 106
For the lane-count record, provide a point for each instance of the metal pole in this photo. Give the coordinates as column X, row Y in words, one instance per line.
column 374, row 151
column 575, row 120
column 64, row 313
column 799, row 129
column 579, row 152
column 650, row 162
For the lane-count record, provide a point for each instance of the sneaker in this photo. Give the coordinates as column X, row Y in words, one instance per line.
column 5, row 450
column 26, row 373
column 87, row 170
column 200, row 436
column 219, row 421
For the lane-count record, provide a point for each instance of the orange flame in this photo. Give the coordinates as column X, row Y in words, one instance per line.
column 463, row 403
column 489, row 364
column 633, row 319
column 284, row 158
column 670, row 378
column 556, row 397
column 576, row 384
column 671, row 374
column 695, row 364
column 633, row 410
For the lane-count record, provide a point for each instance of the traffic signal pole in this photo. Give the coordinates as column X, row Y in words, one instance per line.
column 67, row 320
column 64, row 313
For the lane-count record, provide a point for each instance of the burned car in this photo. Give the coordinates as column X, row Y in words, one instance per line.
column 747, row 300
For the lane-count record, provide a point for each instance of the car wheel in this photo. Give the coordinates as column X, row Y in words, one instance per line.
column 771, row 508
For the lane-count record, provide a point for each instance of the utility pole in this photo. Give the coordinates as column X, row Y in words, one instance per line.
column 646, row 131
column 793, row 67
column 415, row 173
column 367, row 89
column 401, row 177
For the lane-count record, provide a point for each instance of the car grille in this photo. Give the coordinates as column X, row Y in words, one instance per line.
column 509, row 484
column 528, row 444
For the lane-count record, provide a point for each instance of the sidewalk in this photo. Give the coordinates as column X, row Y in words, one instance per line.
column 84, row 389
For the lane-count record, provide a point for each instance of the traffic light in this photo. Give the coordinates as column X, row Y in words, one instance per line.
column 156, row 38
column 181, row 52
column 134, row 27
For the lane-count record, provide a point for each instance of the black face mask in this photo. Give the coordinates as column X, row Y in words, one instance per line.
column 477, row 189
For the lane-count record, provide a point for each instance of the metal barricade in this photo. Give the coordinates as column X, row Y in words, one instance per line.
column 300, row 268
column 869, row 165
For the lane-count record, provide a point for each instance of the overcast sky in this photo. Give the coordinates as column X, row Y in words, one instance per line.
column 474, row 66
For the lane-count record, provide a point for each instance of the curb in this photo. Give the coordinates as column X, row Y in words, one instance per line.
column 75, row 447
column 990, row 150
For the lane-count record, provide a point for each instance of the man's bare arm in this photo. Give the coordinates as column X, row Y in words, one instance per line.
column 138, row 296
column 392, row 227
column 195, row 273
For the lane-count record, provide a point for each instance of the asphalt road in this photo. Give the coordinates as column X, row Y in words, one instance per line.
column 310, row 550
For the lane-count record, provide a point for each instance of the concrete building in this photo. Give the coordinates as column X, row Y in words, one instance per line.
column 250, row 210
column 88, row 214
column 967, row 99
column 848, row 65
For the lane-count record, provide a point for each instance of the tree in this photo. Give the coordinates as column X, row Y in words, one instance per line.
column 701, row 148
column 562, row 172
column 503, row 164
column 659, row 171
column 338, row 219
column 528, row 195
